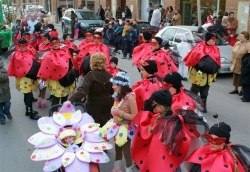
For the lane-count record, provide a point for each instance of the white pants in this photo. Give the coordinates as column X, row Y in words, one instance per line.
column 183, row 69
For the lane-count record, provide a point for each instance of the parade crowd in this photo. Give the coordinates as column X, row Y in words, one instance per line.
column 154, row 122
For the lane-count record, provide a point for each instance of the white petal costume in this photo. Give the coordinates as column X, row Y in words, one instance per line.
column 88, row 146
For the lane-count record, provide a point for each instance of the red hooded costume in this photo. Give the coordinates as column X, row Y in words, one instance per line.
column 53, row 33
column 70, row 44
column 163, row 61
column 83, row 43
column 44, row 47
column 55, row 64
column 113, row 71
column 36, row 40
column 149, row 150
column 140, row 51
column 92, row 48
column 20, row 63
column 201, row 50
column 214, row 161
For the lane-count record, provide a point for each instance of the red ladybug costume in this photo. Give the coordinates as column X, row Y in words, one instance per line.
column 158, row 144
column 219, row 155
column 36, row 40
column 201, row 50
column 84, row 42
column 70, row 45
column 55, row 64
column 140, row 51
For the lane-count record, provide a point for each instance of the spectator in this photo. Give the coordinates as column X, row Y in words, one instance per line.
column 203, row 17
column 129, row 41
column 76, row 28
column 150, row 11
column 110, row 35
column 219, row 29
column 137, row 30
column 225, row 20
column 118, row 32
column 101, row 13
column 128, row 13
column 118, row 14
column 123, row 14
column 97, row 89
column 4, row 94
column 162, row 11
column 72, row 23
column 16, row 28
column 156, row 19
column 233, row 23
column 239, row 50
column 124, row 29
column 31, row 23
column 59, row 12
column 112, row 21
column 176, row 20
column 108, row 13
column 245, row 76
column 105, row 28
column 220, row 15
column 170, row 14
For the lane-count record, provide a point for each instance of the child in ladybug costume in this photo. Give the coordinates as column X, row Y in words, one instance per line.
column 23, row 66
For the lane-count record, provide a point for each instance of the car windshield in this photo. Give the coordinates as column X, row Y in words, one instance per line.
column 82, row 15
column 144, row 26
column 219, row 41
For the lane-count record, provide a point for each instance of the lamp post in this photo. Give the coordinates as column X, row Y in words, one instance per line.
column 86, row 3
column 218, row 7
column 199, row 12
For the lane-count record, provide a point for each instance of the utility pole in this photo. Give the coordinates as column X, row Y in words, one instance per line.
column 199, row 12
column 86, row 3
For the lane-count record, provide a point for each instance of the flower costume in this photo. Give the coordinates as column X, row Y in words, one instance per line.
column 87, row 147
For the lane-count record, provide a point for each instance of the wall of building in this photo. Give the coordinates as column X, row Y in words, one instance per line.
column 232, row 5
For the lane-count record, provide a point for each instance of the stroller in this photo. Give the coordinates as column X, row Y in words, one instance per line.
column 85, row 150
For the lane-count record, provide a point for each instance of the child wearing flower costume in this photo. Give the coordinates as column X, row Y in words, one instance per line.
column 120, row 127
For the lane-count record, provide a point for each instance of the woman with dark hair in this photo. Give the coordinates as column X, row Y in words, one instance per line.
column 45, row 45
column 120, row 127
column 149, row 83
column 128, row 14
column 97, row 89
column 164, row 62
column 219, row 154
column 163, row 139
column 67, row 42
column 118, row 14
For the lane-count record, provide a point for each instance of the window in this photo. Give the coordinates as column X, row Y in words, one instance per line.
column 188, row 35
column 169, row 34
column 86, row 15
column 145, row 26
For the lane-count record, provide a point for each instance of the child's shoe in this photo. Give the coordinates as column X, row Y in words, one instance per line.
column 43, row 103
column 117, row 166
column 39, row 101
column 2, row 122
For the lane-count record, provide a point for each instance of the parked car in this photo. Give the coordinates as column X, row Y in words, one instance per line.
column 169, row 33
column 143, row 26
column 89, row 21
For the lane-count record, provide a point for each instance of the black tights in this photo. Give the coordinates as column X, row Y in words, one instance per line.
column 28, row 97
column 56, row 101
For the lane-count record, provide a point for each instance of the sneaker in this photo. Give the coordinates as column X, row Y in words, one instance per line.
column 39, row 102
column 43, row 103
column 2, row 122
column 129, row 58
column 124, row 57
column 34, row 99
column 9, row 116
column 234, row 92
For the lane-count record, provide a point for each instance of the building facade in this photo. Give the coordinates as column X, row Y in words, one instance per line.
column 188, row 8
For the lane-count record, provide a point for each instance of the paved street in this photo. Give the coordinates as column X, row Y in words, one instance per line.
column 15, row 150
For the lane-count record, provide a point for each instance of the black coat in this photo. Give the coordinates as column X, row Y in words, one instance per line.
column 245, row 69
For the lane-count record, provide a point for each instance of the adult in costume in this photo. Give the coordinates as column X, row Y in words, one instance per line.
column 203, row 62
column 23, row 66
column 163, row 139
column 45, row 45
column 91, row 48
column 97, row 89
column 58, row 70
column 144, row 88
column 36, row 37
column 142, row 49
column 67, row 42
column 120, row 126
column 89, row 38
column 164, row 63
column 219, row 154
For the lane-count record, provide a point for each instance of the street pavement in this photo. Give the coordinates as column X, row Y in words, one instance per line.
column 15, row 150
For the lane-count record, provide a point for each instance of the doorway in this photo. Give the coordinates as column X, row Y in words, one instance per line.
column 144, row 6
